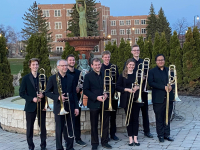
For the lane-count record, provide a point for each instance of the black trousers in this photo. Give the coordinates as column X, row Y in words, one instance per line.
column 133, row 126
column 77, row 126
column 94, row 117
column 61, row 122
column 30, row 119
column 145, row 114
column 162, row 129
column 113, row 127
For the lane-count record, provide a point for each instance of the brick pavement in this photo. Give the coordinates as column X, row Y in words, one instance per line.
column 186, row 133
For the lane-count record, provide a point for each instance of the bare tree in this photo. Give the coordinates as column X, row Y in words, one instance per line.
column 181, row 26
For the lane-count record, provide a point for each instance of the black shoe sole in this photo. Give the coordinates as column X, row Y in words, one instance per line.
column 81, row 145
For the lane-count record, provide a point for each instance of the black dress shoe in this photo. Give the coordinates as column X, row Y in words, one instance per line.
column 43, row 148
column 136, row 144
column 169, row 138
column 94, row 147
column 161, row 139
column 115, row 138
column 81, row 143
column 130, row 144
column 107, row 146
column 149, row 135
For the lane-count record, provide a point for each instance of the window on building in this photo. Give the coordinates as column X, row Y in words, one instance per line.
column 113, row 23
column 48, row 25
column 143, row 21
column 95, row 10
column 68, row 24
column 96, row 48
column 58, row 36
column 104, row 24
column 137, row 31
column 57, row 13
column 128, row 31
column 121, row 32
column 59, row 49
column 121, row 22
column 113, row 32
column 49, row 38
column 137, row 22
column 136, row 39
column 58, row 25
column 113, row 40
column 45, row 13
column 69, row 11
column 144, row 38
column 143, row 31
column 128, row 22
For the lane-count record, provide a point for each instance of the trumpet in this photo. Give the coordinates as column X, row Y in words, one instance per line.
column 131, row 98
column 62, row 109
column 172, row 75
column 113, row 73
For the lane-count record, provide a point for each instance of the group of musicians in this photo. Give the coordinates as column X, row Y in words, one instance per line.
column 93, row 87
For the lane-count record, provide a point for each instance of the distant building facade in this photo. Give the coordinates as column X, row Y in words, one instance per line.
column 58, row 16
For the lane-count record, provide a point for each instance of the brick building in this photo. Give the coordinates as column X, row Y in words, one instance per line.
column 58, row 16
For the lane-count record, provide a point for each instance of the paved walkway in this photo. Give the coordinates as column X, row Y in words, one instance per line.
column 185, row 131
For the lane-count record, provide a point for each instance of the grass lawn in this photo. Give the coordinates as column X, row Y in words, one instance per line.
column 17, row 64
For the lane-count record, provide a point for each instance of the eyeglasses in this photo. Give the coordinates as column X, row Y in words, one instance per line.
column 63, row 65
column 135, row 50
column 160, row 60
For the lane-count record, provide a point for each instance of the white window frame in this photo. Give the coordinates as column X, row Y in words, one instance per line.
column 113, row 23
column 142, row 21
column 129, row 22
column 49, row 27
column 113, row 32
column 113, row 40
column 142, row 30
column 57, row 36
column 58, row 25
column 120, row 31
column 137, row 31
column 127, row 31
column 121, row 22
column 95, row 10
column 56, row 15
column 144, row 38
column 136, row 22
column 136, row 39
column 44, row 12
column 104, row 24
column 68, row 25
column 68, row 12
column 59, row 49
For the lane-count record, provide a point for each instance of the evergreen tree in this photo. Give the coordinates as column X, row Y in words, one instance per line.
column 92, row 17
column 151, row 23
column 140, row 42
column 70, row 50
column 35, row 22
column 156, row 48
column 150, row 47
column 127, row 51
column 113, row 50
column 121, row 60
column 164, row 48
column 146, row 52
column 37, row 48
column 189, row 59
column 6, row 79
column 163, row 25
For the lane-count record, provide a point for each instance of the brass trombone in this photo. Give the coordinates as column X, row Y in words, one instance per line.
column 172, row 75
column 146, row 67
column 131, row 98
column 62, row 109
column 113, row 73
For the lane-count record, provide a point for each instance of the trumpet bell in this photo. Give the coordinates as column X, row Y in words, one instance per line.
column 63, row 112
column 110, row 109
column 139, row 101
column 177, row 99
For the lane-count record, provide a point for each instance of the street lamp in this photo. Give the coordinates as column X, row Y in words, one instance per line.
column 197, row 19
column 129, row 31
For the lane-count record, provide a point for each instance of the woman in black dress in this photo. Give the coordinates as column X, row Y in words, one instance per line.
column 124, row 85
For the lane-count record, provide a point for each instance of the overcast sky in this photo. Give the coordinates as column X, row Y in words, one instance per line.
column 12, row 11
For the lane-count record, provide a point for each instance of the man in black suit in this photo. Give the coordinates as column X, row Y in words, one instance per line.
column 158, row 80
column 145, row 115
column 93, row 88
column 75, row 73
column 107, row 65
column 68, row 86
column 29, row 90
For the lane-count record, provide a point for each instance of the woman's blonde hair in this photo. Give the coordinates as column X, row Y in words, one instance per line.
column 125, row 71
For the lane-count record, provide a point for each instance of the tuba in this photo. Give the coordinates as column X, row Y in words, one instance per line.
column 172, row 75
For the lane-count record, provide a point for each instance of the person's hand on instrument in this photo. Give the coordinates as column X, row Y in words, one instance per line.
column 63, row 97
column 35, row 99
column 101, row 98
column 128, row 90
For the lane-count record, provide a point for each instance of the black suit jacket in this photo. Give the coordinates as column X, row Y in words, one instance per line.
column 92, row 89
column 28, row 91
column 158, row 86
column 121, row 85
column 52, row 92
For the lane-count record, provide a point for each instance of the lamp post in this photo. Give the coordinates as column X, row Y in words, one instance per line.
column 195, row 19
column 129, row 31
